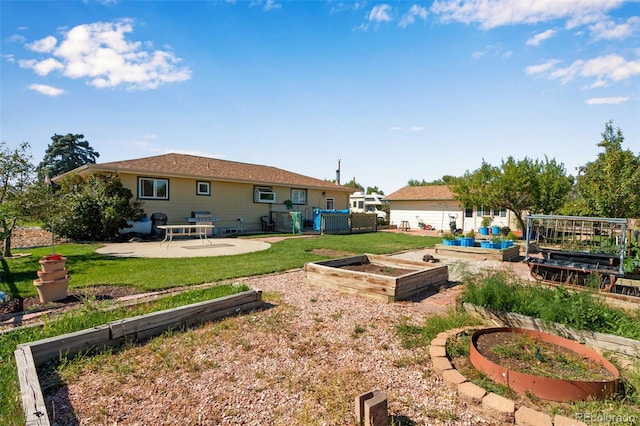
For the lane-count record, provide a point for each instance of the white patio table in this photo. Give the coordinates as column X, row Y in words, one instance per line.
column 186, row 230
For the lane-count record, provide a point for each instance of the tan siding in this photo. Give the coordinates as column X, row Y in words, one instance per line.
column 228, row 201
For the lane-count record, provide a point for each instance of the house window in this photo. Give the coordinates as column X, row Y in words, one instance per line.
column 468, row 212
column 299, row 196
column 155, row 189
column 264, row 194
column 330, row 205
column 203, row 188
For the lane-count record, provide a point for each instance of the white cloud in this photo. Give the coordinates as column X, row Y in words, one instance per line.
column 271, row 5
column 42, row 68
column 100, row 53
column 44, row 45
column 605, row 70
column 380, row 13
column 410, row 17
column 495, row 13
column 492, row 50
column 46, row 90
column 540, row 37
column 408, row 129
column 607, row 101
column 266, row 5
column 16, row 38
column 609, row 30
column 542, row 68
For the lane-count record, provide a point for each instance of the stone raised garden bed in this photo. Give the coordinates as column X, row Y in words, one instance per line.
column 376, row 277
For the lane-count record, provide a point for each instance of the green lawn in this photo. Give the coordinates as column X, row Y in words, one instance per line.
column 88, row 268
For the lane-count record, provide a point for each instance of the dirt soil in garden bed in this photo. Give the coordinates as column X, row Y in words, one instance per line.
column 372, row 268
column 531, row 355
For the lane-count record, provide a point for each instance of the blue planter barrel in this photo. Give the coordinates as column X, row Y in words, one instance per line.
column 495, row 230
column 450, row 242
column 484, row 230
column 486, row 244
column 506, row 244
column 467, row 241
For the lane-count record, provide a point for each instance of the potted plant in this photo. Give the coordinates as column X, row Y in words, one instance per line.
column 448, row 239
column 468, row 240
column 288, row 204
column 53, row 281
column 495, row 230
column 496, row 242
column 484, row 225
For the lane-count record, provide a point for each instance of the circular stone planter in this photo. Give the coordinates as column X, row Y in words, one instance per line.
column 544, row 387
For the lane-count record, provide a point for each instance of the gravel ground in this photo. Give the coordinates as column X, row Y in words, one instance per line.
column 301, row 361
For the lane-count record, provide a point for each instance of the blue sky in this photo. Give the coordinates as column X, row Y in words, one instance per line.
column 394, row 90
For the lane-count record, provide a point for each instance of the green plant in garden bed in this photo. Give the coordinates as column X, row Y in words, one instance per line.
column 501, row 292
column 580, row 310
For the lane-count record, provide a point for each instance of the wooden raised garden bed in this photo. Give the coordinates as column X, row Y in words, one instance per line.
column 502, row 255
column 377, row 277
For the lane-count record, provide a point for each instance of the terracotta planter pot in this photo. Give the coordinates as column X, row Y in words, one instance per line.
column 544, row 387
column 50, row 291
column 53, row 275
column 52, row 265
column 52, row 257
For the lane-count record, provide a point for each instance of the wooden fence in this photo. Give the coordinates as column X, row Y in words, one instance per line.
column 352, row 223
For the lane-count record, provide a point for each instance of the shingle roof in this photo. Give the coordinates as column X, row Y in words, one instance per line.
column 431, row 192
column 191, row 166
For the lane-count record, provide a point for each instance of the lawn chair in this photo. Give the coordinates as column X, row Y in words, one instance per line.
column 267, row 224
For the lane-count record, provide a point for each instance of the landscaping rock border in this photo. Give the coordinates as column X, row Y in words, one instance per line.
column 490, row 404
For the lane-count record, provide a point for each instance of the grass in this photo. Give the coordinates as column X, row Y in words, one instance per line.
column 89, row 314
column 413, row 336
column 580, row 310
column 88, row 268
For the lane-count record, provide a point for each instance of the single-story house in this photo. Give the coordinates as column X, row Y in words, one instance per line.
column 435, row 205
column 179, row 184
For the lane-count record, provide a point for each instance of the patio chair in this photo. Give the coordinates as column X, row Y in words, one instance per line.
column 267, row 224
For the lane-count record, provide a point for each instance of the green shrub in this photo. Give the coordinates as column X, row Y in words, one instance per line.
column 95, row 208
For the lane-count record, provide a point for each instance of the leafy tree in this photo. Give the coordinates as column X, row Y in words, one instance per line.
column 95, row 208
column 374, row 189
column 524, row 186
column 445, row 180
column 354, row 185
column 610, row 185
column 66, row 153
column 16, row 177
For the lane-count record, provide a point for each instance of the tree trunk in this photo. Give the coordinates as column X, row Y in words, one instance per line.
column 6, row 249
